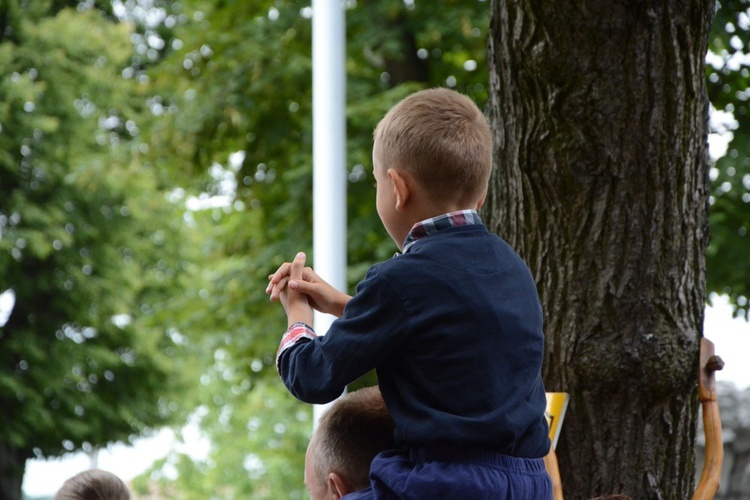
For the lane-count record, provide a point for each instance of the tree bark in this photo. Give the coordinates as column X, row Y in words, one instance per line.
column 599, row 114
column 12, row 466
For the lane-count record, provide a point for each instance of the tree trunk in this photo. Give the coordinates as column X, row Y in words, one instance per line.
column 601, row 183
column 12, row 466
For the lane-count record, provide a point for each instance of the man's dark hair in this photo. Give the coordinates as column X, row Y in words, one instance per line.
column 94, row 484
column 349, row 435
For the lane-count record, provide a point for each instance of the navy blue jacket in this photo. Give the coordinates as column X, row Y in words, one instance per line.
column 454, row 328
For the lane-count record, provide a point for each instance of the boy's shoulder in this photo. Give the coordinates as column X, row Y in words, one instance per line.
column 462, row 247
column 462, row 242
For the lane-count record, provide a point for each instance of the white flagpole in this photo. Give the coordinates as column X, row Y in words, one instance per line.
column 329, row 152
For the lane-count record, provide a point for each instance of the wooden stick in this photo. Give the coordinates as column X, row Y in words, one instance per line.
column 550, row 463
column 711, row 473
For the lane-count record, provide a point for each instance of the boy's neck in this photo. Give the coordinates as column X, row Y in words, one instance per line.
column 418, row 205
column 419, row 214
column 423, row 208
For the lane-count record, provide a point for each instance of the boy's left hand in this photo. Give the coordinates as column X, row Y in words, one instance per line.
column 295, row 303
column 320, row 295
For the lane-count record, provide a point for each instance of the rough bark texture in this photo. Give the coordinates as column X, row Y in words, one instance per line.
column 601, row 183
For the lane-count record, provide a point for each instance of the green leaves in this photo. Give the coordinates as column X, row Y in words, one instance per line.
column 132, row 310
column 728, row 73
column 85, row 241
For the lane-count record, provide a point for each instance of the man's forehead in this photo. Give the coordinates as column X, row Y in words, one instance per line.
column 309, row 465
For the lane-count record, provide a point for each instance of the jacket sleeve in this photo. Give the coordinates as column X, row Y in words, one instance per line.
column 316, row 369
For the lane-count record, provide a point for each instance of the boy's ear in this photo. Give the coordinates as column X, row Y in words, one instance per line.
column 481, row 200
column 337, row 486
column 401, row 189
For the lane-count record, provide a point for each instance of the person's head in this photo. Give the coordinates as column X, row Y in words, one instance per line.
column 439, row 144
column 93, row 484
column 349, row 435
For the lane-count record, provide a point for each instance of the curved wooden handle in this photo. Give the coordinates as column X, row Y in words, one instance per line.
column 711, row 473
column 550, row 463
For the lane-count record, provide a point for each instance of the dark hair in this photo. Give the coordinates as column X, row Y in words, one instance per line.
column 94, row 484
column 350, row 433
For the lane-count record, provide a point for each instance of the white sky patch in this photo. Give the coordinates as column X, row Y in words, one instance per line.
column 731, row 337
column 45, row 477
column 143, row 10
column 7, row 301
column 720, row 124
column 733, row 62
column 121, row 320
column 225, row 179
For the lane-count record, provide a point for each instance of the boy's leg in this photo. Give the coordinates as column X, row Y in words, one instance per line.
column 457, row 473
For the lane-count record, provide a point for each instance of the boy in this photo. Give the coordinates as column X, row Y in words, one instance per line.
column 453, row 325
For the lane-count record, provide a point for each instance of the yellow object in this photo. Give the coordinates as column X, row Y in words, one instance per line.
column 557, row 404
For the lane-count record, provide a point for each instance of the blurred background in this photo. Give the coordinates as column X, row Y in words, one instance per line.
column 155, row 167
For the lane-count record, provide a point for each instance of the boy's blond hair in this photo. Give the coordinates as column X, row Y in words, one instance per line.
column 441, row 138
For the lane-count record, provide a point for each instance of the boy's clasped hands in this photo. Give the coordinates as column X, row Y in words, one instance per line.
column 301, row 290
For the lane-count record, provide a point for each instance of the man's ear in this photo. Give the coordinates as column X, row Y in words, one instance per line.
column 338, row 486
column 401, row 189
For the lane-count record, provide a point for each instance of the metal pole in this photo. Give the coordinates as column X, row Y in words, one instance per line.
column 329, row 151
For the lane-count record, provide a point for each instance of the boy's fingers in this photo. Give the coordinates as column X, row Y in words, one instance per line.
column 298, row 266
column 309, row 275
column 275, row 278
column 282, row 271
column 271, row 283
column 278, row 280
column 278, row 288
column 300, row 286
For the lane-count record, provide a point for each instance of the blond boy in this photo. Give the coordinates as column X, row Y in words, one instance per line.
column 453, row 325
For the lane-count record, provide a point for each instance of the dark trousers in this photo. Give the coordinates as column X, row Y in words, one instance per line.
column 455, row 473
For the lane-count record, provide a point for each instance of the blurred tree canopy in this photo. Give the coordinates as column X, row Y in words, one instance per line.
column 89, row 245
column 166, row 149
column 728, row 73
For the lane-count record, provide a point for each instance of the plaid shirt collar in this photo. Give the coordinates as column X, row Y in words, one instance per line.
column 435, row 224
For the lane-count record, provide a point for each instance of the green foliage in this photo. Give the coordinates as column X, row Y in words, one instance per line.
column 258, row 443
column 729, row 91
column 109, row 129
column 86, row 241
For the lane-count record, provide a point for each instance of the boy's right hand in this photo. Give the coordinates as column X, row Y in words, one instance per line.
column 320, row 295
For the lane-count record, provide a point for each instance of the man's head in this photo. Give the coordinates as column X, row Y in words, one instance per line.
column 441, row 139
column 93, row 484
column 349, row 435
